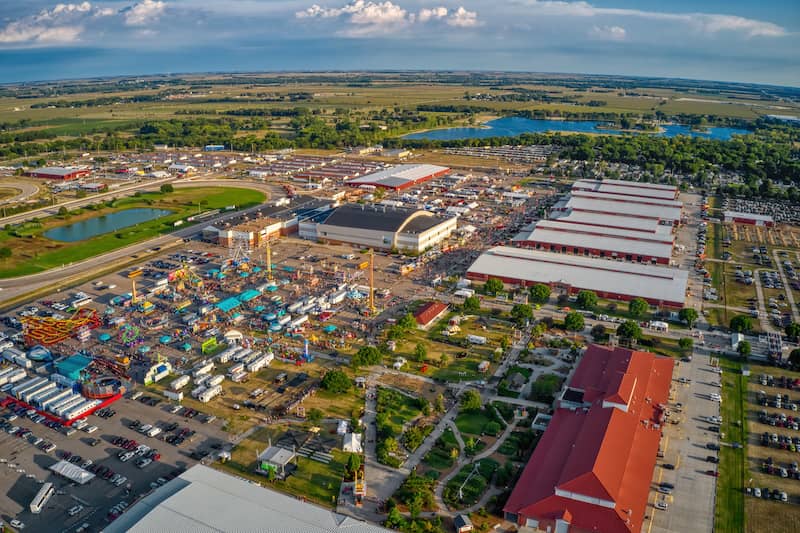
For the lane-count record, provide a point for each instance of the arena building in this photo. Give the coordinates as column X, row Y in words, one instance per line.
column 380, row 227
column 629, row 188
column 592, row 468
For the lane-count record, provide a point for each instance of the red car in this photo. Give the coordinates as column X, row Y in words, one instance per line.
column 712, row 473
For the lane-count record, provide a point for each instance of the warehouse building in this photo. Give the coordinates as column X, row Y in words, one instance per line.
column 400, row 177
column 660, row 202
column 567, row 274
column 592, row 468
column 668, row 215
column 204, row 499
column 752, row 219
column 628, row 188
column 596, row 241
column 647, row 226
column 59, row 173
column 380, row 227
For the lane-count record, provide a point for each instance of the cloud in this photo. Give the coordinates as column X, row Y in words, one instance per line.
column 370, row 18
column 62, row 24
column 608, row 33
column 435, row 13
column 462, row 18
column 708, row 23
column 143, row 13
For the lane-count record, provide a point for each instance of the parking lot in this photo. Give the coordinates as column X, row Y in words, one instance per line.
column 23, row 467
column 690, row 504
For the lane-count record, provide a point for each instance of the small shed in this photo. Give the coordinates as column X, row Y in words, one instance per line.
column 275, row 458
column 462, row 523
column 352, row 443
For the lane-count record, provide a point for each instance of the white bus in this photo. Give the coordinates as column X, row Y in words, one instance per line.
column 40, row 500
column 80, row 301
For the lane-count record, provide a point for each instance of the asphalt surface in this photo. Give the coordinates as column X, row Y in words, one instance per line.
column 97, row 496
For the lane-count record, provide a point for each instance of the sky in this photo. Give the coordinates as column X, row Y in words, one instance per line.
column 733, row 40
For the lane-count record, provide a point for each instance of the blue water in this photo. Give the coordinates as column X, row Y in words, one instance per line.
column 514, row 126
column 91, row 227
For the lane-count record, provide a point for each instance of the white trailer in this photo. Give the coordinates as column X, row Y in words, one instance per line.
column 239, row 376
column 13, row 375
column 299, row 321
column 476, row 339
column 175, row 396
column 46, row 396
column 242, row 354
column 337, row 297
column 198, row 391
column 73, row 402
column 203, row 369
column 28, row 385
column 52, row 400
column 179, row 383
column 70, row 398
column 9, row 354
column 213, row 381
column 81, row 409
column 258, row 364
column 23, row 361
column 209, row 394
column 235, row 369
column 29, row 395
column 285, row 319
column 294, row 307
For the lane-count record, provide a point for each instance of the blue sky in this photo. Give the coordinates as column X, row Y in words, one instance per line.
column 706, row 39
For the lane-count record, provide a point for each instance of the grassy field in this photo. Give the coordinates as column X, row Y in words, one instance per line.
column 729, row 510
column 33, row 252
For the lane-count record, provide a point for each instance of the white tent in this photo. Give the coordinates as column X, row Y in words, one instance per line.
column 352, row 443
column 72, row 472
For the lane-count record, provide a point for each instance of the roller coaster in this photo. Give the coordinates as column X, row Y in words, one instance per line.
column 48, row 331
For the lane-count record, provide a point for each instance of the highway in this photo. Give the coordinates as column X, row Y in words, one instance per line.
column 13, row 287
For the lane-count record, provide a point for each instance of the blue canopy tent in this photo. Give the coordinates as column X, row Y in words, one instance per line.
column 165, row 339
column 104, row 337
column 144, row 348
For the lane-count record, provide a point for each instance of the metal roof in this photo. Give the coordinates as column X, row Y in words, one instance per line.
column 58, row 171
column 631, row 188
column 624, row 208
column 399, row 175
column 751, row 216
column 648, row 225
column 559, row 225
column 597, row 241
column 382, row 218
column 604, row 195
column 203, row 499
column 620, row 277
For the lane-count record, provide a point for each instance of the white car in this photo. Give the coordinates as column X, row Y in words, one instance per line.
column 662, row 505
column 75, row 510
column 17, row 524
column 121, row 481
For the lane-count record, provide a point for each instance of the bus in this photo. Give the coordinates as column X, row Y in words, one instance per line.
column 80, row 301
column 40, row 500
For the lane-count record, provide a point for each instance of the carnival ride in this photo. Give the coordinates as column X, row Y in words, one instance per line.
column 48, row 331
column 130, row 336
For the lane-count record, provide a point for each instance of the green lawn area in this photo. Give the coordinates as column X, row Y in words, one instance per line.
column 398, row 408
column 475, row 422
column 729, row 515
column 440, row 456
column 33, row 252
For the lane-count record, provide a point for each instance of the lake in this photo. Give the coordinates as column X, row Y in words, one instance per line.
column 514, row 126
column 99, row 225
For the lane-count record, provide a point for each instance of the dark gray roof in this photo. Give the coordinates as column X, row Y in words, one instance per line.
column 380, row 218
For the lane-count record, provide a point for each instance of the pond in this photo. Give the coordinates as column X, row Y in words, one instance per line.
column 514, row 126
column 86, row 229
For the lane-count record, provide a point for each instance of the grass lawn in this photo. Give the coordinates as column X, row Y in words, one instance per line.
column 472, row 422
column 33, row 252
column 399, row 408
column 729, row 509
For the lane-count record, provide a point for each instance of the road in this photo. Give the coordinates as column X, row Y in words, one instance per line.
column 13, row 287
column 26, row 190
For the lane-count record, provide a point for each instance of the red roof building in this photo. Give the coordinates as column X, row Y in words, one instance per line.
column 592, row 468
column 430, row 313
column 59, row 173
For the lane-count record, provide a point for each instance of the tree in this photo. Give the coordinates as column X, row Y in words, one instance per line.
column 366, row 356
column 439, row 404
column 744, row 349
column 420, row 352
column 444, row 359
column 353, row 465
column 314, row 416
column 521, row 313
column 629, row 330
column 5, row 252
column 688, row 315
column 408, row 322
column 336, row 381
column 598, row 332
column 637, row 307
column 472, row 304
column 794, row 358
column 793, row 331
column 741, row 324
column 686, row 344
column 167, row 187
column 493, row 286
column 574, row 321
column 63, row 211
column 586, row 299
column 540, row 293
column 471, row 401
column 395, row 520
